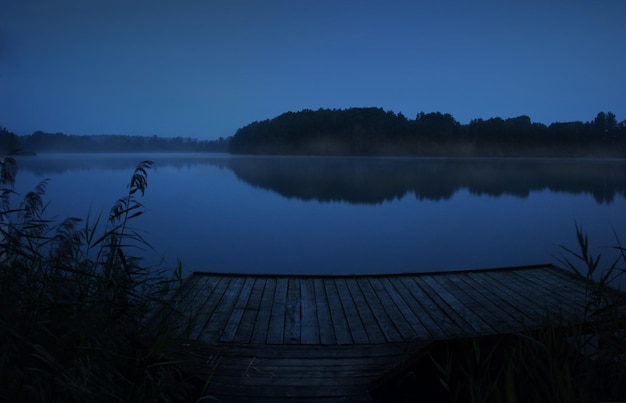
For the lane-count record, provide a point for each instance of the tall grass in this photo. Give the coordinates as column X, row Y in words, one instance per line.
column 574, row 363
column 571, row 363
column 75, row 301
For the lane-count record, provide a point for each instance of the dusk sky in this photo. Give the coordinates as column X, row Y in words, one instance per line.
column 204, row 68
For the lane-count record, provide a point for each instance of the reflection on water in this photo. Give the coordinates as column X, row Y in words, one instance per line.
column 50, row 164
column 376, row 180
column 304, row 215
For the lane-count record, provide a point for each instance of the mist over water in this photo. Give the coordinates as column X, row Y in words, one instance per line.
column 336, row 215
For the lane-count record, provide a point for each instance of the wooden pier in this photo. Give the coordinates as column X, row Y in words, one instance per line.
column 327, row 338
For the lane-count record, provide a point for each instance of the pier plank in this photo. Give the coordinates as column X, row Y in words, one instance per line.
column 179, row 311
column 372, row 328
column 430, row 309
column 566, row 305
column 528, row 313
column 554, row 283
column 357, row 329
column 430, row 324
column 217, row 321
column 337, row 314
column 470, row 309
column 236, row 314
column 385, row 323
column 505, row 314
column 326, row 330
column 207, row 306
column 276, row 330
column 309, row 332
column 531, row 298
column 456, row 307
column 309, row 338
column 251, row 310
column 408, row 323
column 293, row 319
column 260, row 331
column 456, row 326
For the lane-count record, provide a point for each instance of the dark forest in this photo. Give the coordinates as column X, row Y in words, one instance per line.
column 40, row 142
column 373, row 131
column 364, row 132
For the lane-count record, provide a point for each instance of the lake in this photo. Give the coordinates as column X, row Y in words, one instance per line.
column 345, row 215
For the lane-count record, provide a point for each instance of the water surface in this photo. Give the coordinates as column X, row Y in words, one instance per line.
column 349, row 215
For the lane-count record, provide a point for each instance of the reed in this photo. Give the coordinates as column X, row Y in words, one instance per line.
column 555, row 363
column 75, row 304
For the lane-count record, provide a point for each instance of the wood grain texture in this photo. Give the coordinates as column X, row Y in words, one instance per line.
column 324, row 338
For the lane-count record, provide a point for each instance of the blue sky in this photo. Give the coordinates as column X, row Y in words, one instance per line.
column 204, row 68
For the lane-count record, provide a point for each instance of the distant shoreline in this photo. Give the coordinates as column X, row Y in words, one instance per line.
column 226, row 153
column 375, row 132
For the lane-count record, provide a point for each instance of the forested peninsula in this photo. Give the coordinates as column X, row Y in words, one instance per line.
column 376, row 132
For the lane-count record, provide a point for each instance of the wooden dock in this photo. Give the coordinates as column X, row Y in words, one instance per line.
column 326, row 338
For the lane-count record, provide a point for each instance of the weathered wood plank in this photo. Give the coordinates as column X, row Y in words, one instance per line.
column 533, row 304
column 553, row 283
column 251, row 310
column 568, row 277
column 236, row 314
column 357, row 330
column 354, row 393
column 178, row 311
column 189, row 287
column 556, row 307
column 408, row 331
column 337, row 314
column 382, row 317
column 504, row 312
column 293, row 320
column 297, row 399
column 377, row 309
column 456, row 308
column 497, row 294
column 294, row 367
column 295, row 376
column 435, row 307
column 327, row 332
column 276, row 330
column 312, row 338
column 587, row 289
column 207, row 306
column 259, row 334
column 217, row 321
column 528, row 314
column 314, row 373
column 418, row 310
column 419, row 331
column 309, row 331
column 337, row 352
column 372, row 328
column 440, row 325
column 481, row 304
column 545, row 285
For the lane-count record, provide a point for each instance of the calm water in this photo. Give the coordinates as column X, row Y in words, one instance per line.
column 345, row 215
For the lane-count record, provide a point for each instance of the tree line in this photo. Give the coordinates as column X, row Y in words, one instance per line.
column 373, row 131
column 364, row 131
column 60, row 142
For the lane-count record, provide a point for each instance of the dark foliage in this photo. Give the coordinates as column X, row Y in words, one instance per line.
column 60, row 142
column 76, row 304
column 373, row 131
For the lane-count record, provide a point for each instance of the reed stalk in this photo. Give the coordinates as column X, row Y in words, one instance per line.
column 75, row 300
